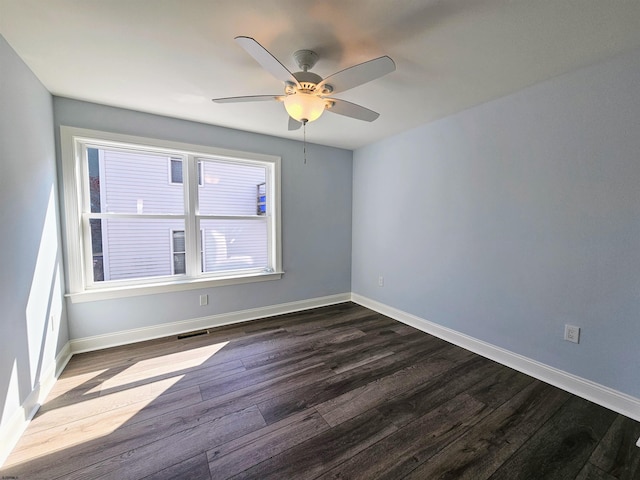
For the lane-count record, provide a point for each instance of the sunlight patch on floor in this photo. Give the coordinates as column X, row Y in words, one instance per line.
column 104, row 407
column 163, row 365
column 103, row 417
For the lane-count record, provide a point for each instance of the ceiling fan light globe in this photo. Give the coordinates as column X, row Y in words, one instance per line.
column 304, row 107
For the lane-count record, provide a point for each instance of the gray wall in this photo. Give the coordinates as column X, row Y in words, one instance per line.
column 508, row 220
column 31, row 283
column 316, row 223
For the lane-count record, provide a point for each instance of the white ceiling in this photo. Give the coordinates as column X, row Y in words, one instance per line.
column 171, row 57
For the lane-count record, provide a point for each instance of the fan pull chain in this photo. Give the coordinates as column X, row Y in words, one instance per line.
column 304, row 147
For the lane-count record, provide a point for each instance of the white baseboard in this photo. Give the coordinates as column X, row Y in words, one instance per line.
column 99, row 342
column 12, row 430
column 607, row 397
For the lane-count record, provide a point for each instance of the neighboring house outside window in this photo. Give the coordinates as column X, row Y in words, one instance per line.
column 127, row 206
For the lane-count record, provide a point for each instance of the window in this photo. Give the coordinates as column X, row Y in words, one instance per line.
column 178, row 252
column 175, row 170
column 116, row 192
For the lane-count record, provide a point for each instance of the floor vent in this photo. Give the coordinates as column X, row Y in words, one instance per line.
column 193, row 334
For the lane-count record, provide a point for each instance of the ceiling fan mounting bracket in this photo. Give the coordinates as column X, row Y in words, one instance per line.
column 305, row 59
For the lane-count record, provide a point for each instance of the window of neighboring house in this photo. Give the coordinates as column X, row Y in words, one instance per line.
column 116, row 190
column 178, row 252
column 175, row 171
column 261, row 199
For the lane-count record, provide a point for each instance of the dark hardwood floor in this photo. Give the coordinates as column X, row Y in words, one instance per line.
column 338, row 392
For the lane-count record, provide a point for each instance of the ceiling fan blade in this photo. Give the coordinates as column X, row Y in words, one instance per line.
column 348, row 109
column 266, row 60
column 294, row 124
column 250, row 98
column 359, row 74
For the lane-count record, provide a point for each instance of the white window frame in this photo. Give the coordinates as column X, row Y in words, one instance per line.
column 74, row 142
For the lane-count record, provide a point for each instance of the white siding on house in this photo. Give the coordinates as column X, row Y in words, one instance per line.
column 140, row 183
column 138, row 248
column 229, row 189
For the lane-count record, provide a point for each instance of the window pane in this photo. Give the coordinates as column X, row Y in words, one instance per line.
column 234, row 244
column 229, row 189
column 132, row 182
column 135, row 248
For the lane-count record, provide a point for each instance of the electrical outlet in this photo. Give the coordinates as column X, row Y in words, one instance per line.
column 572, row 333
column 381, row 281
column 204, row 300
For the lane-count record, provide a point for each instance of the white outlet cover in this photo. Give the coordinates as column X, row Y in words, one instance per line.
column 572, row 333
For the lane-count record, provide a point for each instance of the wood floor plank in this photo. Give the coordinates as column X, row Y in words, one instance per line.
column 374, row 394
column 617, row 454
column 591, row 472
column 399, row 453
column 478, row 453
column 249, row 450
column 322, row 452
column 68, row 433
column 194, row 468
column 310, row 395
column 102, row 401
column 322, row 345
column 219, row 387
column 162, row 454
column 562, row 446
column 99, row 384
column 416, row 402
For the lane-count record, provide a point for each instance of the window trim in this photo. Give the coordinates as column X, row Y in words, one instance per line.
column 73, row 141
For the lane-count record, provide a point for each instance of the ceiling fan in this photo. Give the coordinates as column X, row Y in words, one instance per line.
column 306, row 94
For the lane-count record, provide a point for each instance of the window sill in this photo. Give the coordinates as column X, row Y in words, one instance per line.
column 155, row 288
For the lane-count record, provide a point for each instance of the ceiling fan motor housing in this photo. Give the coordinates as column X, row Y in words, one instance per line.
column 308, row 80
column 306, row 59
